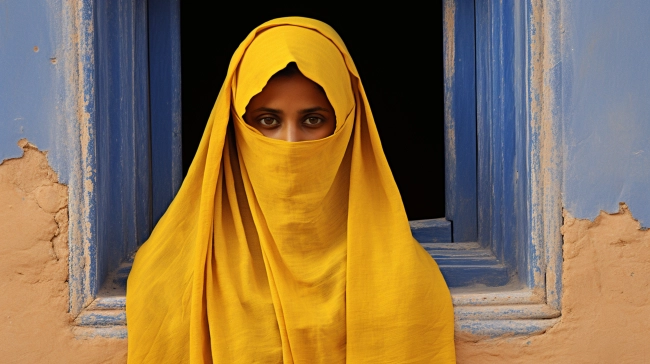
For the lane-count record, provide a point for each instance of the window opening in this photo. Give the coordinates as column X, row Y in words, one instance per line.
column 397, row 51
column 519, row 217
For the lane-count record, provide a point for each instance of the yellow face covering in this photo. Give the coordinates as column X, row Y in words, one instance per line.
column 280, row 252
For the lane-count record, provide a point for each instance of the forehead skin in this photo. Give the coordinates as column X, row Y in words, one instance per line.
column 290, row 97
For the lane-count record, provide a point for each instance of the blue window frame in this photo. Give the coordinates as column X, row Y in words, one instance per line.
column 130, row 51
column 498, row 247
column 503, row 172
column 485, row 145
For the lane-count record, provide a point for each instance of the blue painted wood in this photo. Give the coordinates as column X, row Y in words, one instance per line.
column 545, row 149
column 487, row 212
column 460, row 119
column 505, row 312
column 102, row 318
column 142, row 204
column 522, row 241
column 469, row 275
column 502, row 136
column 431, row 231
column 110, row 303
column 494, row 328
column 112, row 332
column 82, row 203
column 466, row 264
column 462, row 264
column 121, row 275
column 114, row 205
column 165, row 81
column 458, row 259
column 122, row 125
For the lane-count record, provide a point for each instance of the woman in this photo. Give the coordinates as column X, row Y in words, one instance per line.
column 288, row 241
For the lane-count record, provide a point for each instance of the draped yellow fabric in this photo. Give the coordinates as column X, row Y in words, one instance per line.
column 281, row 252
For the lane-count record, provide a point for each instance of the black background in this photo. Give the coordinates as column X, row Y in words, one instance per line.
column 397, row 50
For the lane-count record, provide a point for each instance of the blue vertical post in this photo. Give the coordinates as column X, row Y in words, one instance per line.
column 460, row 118
column 165, row 102
column 501, row 129
column 123, row 194
column 142, row 134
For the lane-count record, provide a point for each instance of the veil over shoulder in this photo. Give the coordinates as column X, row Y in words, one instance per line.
column 280, row 252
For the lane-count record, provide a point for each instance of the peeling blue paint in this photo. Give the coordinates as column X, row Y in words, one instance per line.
column 35, row 98
column 602, row 83
column 606, row 107
column 494, row 328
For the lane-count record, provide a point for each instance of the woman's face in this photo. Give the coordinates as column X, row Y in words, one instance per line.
column 292, row 108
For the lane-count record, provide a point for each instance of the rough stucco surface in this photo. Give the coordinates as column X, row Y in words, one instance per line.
column 34, row 324
column 605, row 302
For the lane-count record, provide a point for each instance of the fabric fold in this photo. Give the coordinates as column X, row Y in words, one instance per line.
column 281, row 252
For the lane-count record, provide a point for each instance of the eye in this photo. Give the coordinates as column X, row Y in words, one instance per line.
column 268, row 121
column 313, row 121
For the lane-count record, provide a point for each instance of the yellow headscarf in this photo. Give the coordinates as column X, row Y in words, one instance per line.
column 280, row 252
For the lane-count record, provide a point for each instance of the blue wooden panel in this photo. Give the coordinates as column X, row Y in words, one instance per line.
column 165, row 81
column 521, row 244
column 431, row 231
column 122, row 125
column 467, row 275
column 462, row 264
column 460, row 119
column 142, row 203
column 501, row 126
column 82, row 207
column 495, row 328
column 466, row 264
column 101, row 318
column 486, row 214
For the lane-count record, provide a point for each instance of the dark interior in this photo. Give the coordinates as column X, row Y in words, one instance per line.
column 397, row 50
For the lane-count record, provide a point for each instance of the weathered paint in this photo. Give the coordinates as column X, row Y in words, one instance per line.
column 564, row 91
column 466, row 264
column 83, row 229
column 431, row 231
column 46, row 97
column 123, row 154
column 497, row 126
column 519, row 169
column 460, row 118
column 495, row 328
column 606, row 88
column 165, row 88
column 111, row 204
column 545, row 134
column 36, row 100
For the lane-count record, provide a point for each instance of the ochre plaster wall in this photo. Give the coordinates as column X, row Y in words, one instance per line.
column 605, row 300
column 35, row 326
column 605, row 303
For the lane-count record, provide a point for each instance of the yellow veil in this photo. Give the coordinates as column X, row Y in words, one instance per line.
column 280, row 252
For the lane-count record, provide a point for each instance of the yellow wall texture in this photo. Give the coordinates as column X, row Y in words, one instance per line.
column 605, row 308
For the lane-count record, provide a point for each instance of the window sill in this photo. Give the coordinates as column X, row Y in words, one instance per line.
column 487, row 313
column 479, row 309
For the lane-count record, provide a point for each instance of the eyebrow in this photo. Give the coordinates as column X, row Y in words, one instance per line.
column 313, row 109
column 303, row 111
column 268, row 109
